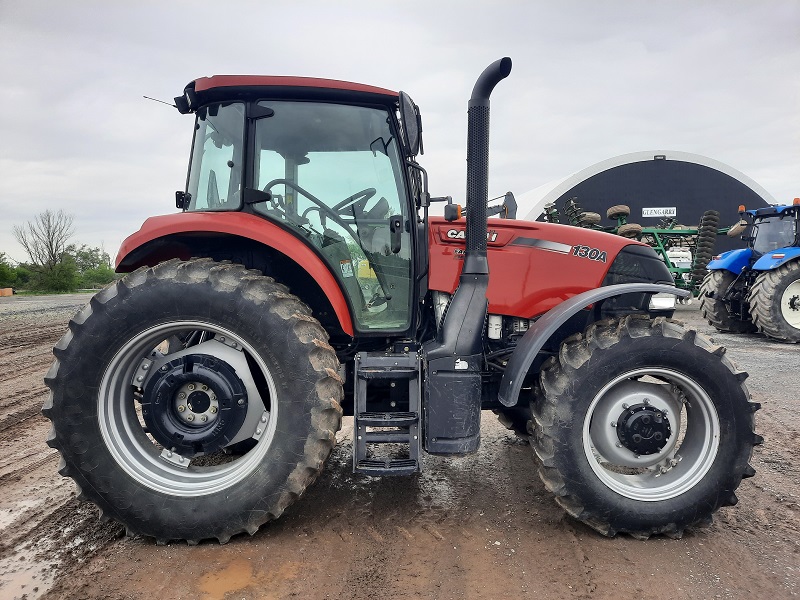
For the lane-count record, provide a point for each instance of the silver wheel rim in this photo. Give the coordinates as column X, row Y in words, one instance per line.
column 135, row 452
column 682, row 462
column 790, row 304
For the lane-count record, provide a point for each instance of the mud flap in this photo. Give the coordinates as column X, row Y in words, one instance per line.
column 452, row 409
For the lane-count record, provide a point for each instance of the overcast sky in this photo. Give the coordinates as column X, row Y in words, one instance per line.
column 591, row 80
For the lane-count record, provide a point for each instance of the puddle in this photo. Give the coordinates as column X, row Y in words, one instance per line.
column 25, row 576
column 9, row 515
column 236, row 576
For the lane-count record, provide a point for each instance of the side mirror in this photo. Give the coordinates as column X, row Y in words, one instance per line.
column 182, row 199
column 412, row 124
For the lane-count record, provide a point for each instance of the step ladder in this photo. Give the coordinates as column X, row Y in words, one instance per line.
column 400, row 370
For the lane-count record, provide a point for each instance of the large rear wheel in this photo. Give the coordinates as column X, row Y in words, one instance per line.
column 643, row 427
column 193, row 400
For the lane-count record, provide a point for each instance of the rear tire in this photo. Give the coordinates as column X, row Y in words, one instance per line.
column 714, row 310
column 268, row 339
column 775, row 303
column 663, row 373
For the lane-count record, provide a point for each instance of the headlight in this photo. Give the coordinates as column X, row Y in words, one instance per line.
column 662, row 302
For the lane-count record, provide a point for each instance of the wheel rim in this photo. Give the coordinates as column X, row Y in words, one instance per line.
column 673, row 466
column 790, row 304
column 145, row 460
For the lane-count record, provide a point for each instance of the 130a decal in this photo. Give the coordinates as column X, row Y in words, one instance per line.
column 590, row 253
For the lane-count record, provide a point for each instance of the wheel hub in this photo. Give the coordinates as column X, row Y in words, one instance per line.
column 643, row 429
column 194, row 404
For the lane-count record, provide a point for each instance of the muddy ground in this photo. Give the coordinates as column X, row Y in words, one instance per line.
column 481, row 526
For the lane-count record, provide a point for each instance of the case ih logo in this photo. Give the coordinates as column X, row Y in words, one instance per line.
column 460, row 234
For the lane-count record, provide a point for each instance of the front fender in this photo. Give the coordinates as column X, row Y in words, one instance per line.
column 733, row 261
column 536, row 337
column 143, row 248
column 775, row 258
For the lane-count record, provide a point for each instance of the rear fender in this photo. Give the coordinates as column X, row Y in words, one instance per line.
column 775, row 258
column 157, row 240
column 541, row 331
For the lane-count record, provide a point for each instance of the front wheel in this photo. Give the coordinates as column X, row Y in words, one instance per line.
column 193, row 400
column 775, row 303
column 715, row 310
column 643, row 427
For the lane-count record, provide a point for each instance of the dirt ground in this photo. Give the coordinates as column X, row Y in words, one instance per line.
column 480, row 526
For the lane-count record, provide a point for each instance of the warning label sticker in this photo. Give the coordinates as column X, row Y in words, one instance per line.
column 347, row 268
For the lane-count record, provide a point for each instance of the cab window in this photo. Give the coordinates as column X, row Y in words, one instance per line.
column 334, row 174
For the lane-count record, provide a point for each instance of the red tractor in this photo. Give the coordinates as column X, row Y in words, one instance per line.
column 304, row 280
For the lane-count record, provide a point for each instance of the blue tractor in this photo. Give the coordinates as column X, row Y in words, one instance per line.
column 758, row 288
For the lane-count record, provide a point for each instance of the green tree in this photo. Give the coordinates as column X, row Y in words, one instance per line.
column 61, row 277
column 93, row 265
column 45, row 240
column 8, row 274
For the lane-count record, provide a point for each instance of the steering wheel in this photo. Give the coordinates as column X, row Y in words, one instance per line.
column 359, row 198
column 323, row 208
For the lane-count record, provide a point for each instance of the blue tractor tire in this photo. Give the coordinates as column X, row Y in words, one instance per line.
column 775, row 302
column 715, row 310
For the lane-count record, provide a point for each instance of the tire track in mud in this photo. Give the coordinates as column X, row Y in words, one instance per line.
column 45, row 529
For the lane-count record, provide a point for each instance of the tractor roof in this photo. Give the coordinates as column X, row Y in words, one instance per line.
column 220, row 88
column 772, row 211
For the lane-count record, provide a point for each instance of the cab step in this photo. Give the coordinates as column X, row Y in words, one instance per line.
column 398, row 430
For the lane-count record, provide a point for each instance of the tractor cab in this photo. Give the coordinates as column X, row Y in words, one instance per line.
column 774, row 227
column 330, row 172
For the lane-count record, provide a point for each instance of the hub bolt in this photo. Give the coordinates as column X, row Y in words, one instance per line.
column 181, row 395
column 181, row 408
column 204, row 388
column 191, row 387
column 190, row 417
column 213, row 410
column 204, row 418
column 241, row 401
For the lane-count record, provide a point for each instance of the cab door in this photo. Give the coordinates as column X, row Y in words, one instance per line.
column 335, row 177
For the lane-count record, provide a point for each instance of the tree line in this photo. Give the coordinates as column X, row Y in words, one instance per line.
column 55, row 263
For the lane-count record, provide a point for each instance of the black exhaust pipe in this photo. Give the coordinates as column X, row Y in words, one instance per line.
column 455, row 358
column 478, row 164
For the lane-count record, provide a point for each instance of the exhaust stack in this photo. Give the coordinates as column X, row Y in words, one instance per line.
column 478, row 164
column 455, row 357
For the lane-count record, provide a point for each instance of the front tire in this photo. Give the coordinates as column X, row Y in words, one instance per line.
column 775, row 303
column 714, row 310
column 643, row 427
column 248, row 354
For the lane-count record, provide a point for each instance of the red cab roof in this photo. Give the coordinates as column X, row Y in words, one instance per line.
column 218, row 81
